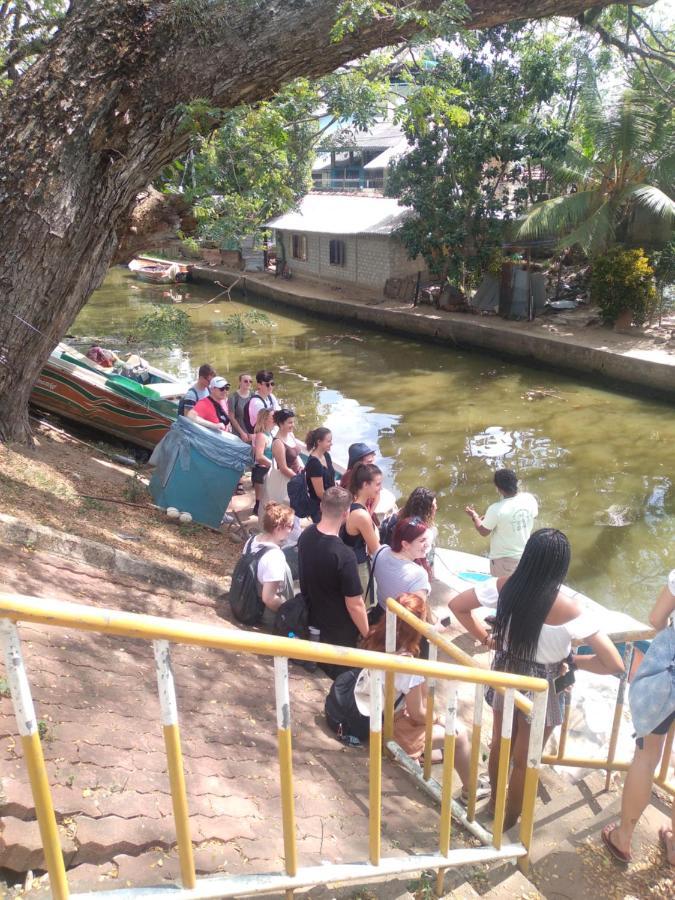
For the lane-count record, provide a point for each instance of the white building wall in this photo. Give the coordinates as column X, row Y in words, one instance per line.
column 341, row 273
column 400, row 263
column 310, row 266
column 369, row 259
column 373, row 261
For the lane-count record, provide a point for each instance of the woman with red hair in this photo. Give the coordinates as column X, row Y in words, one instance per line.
column 402, row 568
column 411, row 692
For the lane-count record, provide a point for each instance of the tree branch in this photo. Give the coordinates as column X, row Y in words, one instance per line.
column 629, row 49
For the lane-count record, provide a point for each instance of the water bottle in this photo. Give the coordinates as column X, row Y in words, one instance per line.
column 306, row 664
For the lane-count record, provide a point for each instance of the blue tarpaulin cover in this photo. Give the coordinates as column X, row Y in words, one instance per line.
column 197, row 470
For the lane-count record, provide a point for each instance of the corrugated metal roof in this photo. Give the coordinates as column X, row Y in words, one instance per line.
column 378, row 137
column 385, row 158
column 342, row 214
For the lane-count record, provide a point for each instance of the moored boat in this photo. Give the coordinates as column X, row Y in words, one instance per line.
column 156, row 271
column 78, row 389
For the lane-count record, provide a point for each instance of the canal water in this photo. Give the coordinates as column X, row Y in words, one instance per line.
column 600, row 463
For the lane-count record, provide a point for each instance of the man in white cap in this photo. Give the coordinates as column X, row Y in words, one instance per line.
column 211, row 411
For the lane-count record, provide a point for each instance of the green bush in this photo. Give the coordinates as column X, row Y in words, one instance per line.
column 623, row 280
column 165, row 326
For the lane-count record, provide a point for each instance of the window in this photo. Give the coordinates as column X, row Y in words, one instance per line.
column 337, row 253
column 299, row 247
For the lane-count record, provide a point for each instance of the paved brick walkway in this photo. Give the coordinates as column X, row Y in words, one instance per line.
column 103, row 743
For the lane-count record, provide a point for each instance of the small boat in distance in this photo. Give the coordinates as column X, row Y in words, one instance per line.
column 157, row 271
column 77, row 388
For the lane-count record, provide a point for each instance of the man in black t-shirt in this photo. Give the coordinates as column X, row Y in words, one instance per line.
column 329, row 577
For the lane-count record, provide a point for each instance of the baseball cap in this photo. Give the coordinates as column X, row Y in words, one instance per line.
column 218, row 382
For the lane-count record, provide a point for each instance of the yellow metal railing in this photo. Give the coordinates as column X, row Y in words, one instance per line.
column 162, row 632
column 535, row 709
column 609, row 763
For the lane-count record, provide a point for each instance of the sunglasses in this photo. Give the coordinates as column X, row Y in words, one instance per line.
column 247, row 380
column 268, row 383
column 225, row 387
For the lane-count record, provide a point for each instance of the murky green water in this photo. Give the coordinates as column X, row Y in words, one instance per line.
column 447, row 418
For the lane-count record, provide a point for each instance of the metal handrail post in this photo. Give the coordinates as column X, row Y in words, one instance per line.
column 475, row 752
column 534, row 752
column 283, row 705
column 174, row 757
column 448, row 772
column 35, row 761
column 389, row 693
column 564, row 729
column 429, row 724
column 618, row 711
column 375, row 768
column 503, row 770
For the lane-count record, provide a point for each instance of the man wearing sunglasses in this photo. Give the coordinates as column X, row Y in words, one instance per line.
column 236, row 407
column 211, row 412
column 262, row 398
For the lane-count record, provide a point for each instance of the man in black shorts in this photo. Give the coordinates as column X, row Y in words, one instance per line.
column 329, row 578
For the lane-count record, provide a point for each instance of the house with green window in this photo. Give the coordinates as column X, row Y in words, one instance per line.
column 358, row 160
column 346, row 238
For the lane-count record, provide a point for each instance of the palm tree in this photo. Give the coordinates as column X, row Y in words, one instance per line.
column 630, row 165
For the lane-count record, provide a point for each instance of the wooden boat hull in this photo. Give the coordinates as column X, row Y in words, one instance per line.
column 61, row 389
column 155, row 271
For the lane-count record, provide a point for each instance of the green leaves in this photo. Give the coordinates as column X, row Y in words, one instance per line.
column 164, row 326
column 627, row 145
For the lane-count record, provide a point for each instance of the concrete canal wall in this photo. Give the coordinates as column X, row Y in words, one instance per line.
column 620, row 360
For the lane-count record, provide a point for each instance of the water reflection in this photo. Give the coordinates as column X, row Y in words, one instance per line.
column 599, row 463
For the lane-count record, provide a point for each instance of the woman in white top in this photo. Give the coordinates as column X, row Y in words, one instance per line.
column 275, row 583
column 533, row 633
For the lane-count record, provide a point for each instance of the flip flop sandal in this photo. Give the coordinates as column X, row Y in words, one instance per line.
column 619, row 856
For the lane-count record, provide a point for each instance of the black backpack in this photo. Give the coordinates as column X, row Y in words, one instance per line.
column 298, row 495
column 342, row 713
column 387, row 527
column 181, row 402
column 247, row 419
column 293, row 617
column 245, row 602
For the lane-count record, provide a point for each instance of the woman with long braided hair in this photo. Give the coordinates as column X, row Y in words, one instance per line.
column 535, row 624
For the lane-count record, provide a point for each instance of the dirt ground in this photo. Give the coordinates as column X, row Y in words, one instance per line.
column 53, row 484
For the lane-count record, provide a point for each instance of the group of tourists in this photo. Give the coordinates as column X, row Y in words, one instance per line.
column 349, row 562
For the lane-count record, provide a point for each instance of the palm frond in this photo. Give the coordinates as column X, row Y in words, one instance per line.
column 661, row 173
column 557, row 215
column 596, row 232
column 573, row 168
column 658, row 204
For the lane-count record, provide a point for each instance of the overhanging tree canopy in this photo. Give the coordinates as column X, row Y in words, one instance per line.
column 101, row 111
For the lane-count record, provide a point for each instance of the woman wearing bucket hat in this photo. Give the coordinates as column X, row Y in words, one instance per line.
column 358, row 453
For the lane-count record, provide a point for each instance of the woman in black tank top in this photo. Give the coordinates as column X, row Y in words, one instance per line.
column 359, row 531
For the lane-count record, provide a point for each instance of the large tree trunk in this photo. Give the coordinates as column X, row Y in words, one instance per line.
column 93, row 121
